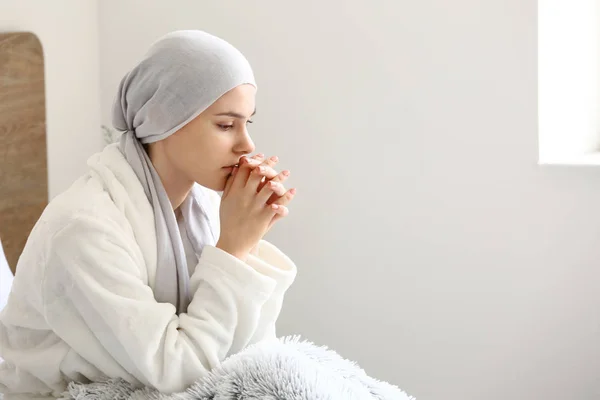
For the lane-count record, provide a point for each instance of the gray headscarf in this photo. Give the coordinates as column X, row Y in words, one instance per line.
column 181, row 75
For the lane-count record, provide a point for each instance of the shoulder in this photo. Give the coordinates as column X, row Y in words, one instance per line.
column 86, row 199
column 81, row 219
column 109, row 192
column 81, row 215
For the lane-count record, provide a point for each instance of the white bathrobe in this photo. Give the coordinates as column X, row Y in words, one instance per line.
column 82, row 307
column 6, row 278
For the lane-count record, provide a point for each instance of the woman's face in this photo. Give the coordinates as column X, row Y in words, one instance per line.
column 205, row 149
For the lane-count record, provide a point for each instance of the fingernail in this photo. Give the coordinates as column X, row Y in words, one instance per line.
column 275, row 206
column 286, row 173
column 293, row 191
column 260, row 155
column 272, row 184
column 274, row 159
column 261, row 169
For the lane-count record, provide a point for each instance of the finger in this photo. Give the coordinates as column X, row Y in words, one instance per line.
column 271, row 161
column 271, row 212
column 254, row 161
column 245, row 168
column 230, row 181
column 280, row 211
column 283, row 199
column 270, row 189
column 273, row 176
column 259, row 157
column 268, row 172
column 255, row 178
column 281, row 177
column 269, row 164
column 281, row 202
column 286, row 198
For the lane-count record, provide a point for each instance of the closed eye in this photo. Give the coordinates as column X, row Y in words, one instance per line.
column 230, row 126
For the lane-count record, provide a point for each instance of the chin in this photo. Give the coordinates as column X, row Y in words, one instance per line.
column 219, row 188
column 215, row 181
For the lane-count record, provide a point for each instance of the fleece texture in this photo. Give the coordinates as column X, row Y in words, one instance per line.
column 283, row 369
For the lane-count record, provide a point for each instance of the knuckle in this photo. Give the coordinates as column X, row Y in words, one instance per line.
column 275, row 186
column 270, row 171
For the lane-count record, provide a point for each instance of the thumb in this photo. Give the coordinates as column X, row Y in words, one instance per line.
column 230, row 182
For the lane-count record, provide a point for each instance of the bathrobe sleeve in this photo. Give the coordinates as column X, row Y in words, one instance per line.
column 95, row 298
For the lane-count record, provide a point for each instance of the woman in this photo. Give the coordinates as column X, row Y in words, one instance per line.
column 141, row 270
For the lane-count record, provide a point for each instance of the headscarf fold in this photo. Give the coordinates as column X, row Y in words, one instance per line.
column 181, row 75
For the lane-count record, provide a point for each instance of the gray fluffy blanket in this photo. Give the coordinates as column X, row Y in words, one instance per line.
column 283, row 369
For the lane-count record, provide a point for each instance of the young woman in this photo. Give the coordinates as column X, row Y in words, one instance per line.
column 141, row 270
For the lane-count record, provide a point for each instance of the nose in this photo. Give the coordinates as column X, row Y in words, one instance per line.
column 245, row 145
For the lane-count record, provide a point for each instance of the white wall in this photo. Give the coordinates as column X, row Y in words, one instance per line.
column 68, row 30
column 432, row 248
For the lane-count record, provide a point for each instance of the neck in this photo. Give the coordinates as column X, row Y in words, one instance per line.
column 175, row 183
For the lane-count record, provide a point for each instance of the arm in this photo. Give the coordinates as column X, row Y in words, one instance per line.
column 97, row 302
column 269, row 261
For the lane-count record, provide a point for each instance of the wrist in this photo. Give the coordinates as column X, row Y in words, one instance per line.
column 237, row 253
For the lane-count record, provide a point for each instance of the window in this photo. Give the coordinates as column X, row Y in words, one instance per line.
column 568, row 82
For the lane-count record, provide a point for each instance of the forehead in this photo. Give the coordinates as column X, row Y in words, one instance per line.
column 241, row 98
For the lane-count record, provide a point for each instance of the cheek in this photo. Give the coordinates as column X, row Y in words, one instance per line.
column 204, row 148
column 182, row 151
column 217, row 146
column 208, row 153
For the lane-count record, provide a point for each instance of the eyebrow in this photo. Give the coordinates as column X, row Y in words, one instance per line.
column 234, row 114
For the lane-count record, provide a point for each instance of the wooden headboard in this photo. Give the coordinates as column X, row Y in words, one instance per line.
column 23, row 160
